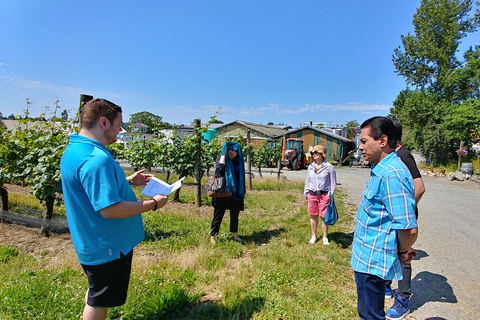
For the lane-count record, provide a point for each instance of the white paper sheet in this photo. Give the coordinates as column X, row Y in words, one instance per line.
column 156, row 186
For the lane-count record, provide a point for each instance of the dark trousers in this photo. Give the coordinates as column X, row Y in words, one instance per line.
column 371, row 296
column 405, row 285
column 218, row 214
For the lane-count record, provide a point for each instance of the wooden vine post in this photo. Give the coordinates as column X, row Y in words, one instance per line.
column 249, row 162
column 84, row 98
column 198, row 177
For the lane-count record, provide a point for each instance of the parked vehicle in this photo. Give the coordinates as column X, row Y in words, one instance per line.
column 293, row 155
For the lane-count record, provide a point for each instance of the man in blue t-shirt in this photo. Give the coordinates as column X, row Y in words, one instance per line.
column 386, row 227
column 103, row 213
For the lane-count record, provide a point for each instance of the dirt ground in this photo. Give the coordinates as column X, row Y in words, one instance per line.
column 28, row 238
column 31, row 240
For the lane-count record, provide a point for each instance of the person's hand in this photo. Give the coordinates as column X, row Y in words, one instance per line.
column 407, row 257
column 139, row 178
column 161, row 200
column 412, row 253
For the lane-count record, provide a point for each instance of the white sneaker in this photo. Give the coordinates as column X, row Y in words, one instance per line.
column 325, row 242
column 313, row 240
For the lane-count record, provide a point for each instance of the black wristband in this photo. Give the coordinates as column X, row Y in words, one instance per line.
column 402, row 252
column 156, row 203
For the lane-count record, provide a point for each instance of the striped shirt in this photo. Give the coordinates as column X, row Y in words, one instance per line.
column 388, row 205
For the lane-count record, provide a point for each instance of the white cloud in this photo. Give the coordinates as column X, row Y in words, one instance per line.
column 185, row 114
column 277, row 109
column 67, row 91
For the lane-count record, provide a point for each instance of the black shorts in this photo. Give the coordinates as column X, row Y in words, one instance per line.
column 108, row 282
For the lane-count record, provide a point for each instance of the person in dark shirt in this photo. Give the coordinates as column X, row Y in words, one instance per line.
column 401, row 306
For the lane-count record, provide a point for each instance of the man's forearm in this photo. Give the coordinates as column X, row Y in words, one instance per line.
column 419, row 189
column 406, row 238
column 126, row 209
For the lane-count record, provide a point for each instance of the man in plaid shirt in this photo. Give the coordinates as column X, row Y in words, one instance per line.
column 386, row 226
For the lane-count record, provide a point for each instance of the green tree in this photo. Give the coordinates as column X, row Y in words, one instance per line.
column 351, row 124
column 428, row 57
column 465, row 116
column 149, row 119
column 438, row 80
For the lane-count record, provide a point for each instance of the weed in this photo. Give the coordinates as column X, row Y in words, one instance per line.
column 7, row 253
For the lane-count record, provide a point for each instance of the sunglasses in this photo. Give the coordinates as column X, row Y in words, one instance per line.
column 314, row 152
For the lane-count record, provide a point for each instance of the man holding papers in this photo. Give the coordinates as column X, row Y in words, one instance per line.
column 103, row 213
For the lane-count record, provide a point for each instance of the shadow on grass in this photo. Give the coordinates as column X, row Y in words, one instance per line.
column 343, row 239
column 156, row 235
column 263, row 237
column 208, row 309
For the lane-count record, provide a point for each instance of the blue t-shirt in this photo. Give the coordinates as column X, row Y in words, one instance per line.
column 92, row 180
column 388, row 205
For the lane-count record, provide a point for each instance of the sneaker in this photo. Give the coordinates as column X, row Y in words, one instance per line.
column 313, row 240
column 325, row 242
column 388, row 292
column 400, row 308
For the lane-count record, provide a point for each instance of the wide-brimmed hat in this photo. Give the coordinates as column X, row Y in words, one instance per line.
column 320, row 149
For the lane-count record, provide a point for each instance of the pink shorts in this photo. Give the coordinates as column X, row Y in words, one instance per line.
column 317, row 205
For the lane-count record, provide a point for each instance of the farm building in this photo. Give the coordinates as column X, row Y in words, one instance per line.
column 338, row 146
column 258, row 132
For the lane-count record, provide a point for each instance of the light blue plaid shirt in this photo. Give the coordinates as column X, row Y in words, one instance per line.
column 388, row 205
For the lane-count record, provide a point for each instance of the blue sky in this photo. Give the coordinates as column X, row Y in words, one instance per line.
column 258, row 61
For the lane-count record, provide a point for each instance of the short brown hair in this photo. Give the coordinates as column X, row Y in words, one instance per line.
column 96, row 108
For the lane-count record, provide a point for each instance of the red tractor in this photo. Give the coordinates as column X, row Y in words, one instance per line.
column 293, row 155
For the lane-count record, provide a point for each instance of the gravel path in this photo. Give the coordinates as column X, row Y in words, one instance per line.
column 446, row 274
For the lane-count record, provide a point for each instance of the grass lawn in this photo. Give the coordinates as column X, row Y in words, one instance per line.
column 178, row 274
